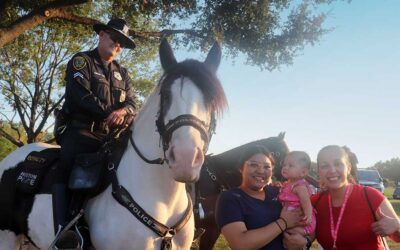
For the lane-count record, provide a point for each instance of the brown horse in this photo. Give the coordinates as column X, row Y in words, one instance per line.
column 221, row 172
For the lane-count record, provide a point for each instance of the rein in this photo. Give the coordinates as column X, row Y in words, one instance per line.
column 159, row 161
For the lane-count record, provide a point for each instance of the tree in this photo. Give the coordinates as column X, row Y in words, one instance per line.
column 31, row 72
column 268, row 32
column 6, row 146
column 389, row 169
column 37, row 37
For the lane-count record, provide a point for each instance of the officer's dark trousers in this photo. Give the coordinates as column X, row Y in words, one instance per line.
column 74, row 141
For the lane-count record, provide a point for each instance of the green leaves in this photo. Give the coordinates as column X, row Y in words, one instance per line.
column 268, row 33
column 389, row 169
column 33, row 71
column 6, row 147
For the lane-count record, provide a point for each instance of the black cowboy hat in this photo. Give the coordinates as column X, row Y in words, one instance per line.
column 121, row 29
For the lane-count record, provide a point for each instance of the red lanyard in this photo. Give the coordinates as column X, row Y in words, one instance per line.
column 335, row 229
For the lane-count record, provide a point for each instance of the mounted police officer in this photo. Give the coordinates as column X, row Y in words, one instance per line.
column 98, row 98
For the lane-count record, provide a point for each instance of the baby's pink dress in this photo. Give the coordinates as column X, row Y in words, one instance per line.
column 288, row 198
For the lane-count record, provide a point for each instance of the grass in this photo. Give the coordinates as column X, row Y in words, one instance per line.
column 221, row 244
column 396, row 205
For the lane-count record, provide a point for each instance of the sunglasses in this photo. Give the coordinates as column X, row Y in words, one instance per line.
column 115, row 38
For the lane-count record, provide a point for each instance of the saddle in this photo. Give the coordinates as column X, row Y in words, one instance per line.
column 35, row 175
column 90, row 171
column 87, row 174
column 34, row 168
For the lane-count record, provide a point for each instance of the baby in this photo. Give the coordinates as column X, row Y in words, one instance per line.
column 296, row 192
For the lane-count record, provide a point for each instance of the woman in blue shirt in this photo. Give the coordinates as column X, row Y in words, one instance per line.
column 250, row 216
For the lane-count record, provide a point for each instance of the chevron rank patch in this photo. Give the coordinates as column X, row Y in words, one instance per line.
column 79, row 62
column 78, row 74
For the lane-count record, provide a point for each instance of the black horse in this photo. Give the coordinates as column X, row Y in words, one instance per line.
column 221, row 172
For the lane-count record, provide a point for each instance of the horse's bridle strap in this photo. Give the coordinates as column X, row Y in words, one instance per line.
column 125, row 199
column 179, row 121
column 159, row 161
column 187, row 120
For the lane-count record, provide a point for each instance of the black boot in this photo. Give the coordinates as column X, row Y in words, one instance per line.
column 77, row 203
column 69, row 239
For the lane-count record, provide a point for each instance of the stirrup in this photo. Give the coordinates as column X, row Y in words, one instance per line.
column 61, row 231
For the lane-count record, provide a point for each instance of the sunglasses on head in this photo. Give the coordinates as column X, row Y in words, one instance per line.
column 115, row 38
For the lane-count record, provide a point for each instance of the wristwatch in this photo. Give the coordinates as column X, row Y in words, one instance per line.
column 308, row 244
column 129, row 111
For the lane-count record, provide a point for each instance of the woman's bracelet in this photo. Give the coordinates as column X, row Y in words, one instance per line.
column 279, row 225
column 284, row 221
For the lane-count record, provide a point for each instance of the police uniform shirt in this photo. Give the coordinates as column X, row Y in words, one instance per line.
column 94, row 90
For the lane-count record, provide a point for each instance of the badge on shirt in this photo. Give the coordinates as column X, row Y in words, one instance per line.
column 117, row 76
column 79, row 62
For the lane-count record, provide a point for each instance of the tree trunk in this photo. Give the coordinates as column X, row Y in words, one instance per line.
column 56, row 9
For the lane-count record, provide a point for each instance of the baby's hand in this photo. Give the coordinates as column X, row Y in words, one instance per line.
column 307, row 219
column 276, row 184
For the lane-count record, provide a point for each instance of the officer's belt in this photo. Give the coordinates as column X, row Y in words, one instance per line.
column 92, row 126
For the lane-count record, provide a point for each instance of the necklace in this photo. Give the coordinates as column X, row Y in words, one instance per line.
column 335, row 229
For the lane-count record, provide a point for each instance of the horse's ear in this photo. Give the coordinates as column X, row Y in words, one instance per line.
column 281, row 135
column 214, row 57
column 167, row 57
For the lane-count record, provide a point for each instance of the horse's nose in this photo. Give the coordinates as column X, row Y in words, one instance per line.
column 198, row 157
column 193, row 157
column 171, row 155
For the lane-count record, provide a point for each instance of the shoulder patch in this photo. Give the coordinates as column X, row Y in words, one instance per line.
column 78, row 62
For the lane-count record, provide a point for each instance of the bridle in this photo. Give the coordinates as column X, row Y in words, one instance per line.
column 166, row 130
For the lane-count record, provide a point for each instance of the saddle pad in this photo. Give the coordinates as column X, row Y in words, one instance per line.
column 34, row 169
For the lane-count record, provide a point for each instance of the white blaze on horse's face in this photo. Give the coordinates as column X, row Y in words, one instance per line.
column 191, row 95
column 185, row 154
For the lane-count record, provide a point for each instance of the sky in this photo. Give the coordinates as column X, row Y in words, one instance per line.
column 344, row 90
